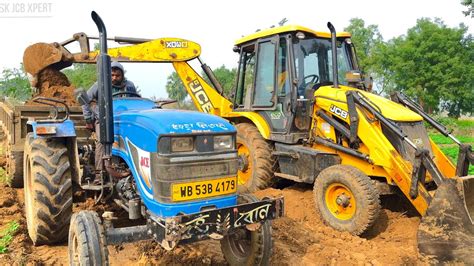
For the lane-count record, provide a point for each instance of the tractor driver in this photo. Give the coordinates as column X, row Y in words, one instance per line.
column 91, row 111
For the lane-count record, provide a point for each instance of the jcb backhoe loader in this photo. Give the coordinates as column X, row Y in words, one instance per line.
column 304, row 112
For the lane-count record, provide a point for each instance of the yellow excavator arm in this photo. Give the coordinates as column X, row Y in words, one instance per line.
column 206, row 97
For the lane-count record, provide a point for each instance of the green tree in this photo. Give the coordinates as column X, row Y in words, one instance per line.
column 82, row 75
column 175, row 88
column 470, row 7
column 432, row 63
column 14, row 84
column 365, row 38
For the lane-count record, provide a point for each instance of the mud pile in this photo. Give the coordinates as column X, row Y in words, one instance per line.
column 52, row 83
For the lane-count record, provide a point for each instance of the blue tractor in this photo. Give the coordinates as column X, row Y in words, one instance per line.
column 174, row 172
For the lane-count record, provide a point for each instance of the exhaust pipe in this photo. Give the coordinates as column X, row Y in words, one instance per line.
column 104, row 83
column 334, row 55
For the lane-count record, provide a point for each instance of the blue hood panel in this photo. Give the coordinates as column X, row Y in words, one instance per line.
column 135, row 118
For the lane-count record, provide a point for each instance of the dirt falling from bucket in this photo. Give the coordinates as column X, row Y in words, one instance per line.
column 53, row 83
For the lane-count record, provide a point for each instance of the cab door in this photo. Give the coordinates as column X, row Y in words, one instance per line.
column 263, row 84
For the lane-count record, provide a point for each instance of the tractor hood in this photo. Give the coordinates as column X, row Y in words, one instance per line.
column 327, row 95
column 142, row 124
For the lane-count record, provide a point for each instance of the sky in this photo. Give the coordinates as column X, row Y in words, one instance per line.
column 215, row 25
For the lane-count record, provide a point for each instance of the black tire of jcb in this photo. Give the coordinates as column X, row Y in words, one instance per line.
column 47, row 168
column 260, row 152
column 87, row 228
column 261, row 241
column 363, row 189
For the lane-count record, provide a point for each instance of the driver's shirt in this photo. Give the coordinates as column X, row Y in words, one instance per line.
column 91, row 111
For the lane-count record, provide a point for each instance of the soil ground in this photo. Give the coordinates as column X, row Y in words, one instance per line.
column 300, row 238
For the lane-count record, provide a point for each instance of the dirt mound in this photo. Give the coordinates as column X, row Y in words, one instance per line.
column 52, row 83
column 52, row 77
column 303, row 237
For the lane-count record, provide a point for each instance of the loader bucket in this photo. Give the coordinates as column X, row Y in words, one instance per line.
column 39, row 56
column 446, row 232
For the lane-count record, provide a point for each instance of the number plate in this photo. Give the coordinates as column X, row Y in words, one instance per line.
column 203, row 189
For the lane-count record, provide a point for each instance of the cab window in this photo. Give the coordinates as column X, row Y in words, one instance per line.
column 245, row 77
column 265, row 78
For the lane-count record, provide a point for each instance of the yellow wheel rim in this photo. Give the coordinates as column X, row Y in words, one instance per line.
column 244, row 176
column 340, row 201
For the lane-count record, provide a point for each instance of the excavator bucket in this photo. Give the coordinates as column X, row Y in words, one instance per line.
column 42, row 55
column 446, row 232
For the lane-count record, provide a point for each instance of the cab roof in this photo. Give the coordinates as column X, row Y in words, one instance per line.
column 288, row 28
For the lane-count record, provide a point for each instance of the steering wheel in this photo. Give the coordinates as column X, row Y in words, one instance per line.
column 131, row 93
column 314, row 78
column 304, row 86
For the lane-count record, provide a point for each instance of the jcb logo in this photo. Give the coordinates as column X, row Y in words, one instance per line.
column 177, row 44
column 338, row 111
column 200, row 96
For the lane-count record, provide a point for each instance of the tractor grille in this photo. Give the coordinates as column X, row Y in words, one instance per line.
column 168, row 170
column 416, row 132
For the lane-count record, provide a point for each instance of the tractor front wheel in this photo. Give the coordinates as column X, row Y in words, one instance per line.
column 87, row 242
column 244, row 247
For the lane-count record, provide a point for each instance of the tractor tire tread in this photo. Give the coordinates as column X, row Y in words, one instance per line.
column 51, row 188
column 262, row 244
column 86, row 227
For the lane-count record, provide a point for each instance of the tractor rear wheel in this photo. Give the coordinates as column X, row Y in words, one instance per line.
column 48, row 190
column 87, row 243
column 256, row 160
column 244, row 247
column 346, row 199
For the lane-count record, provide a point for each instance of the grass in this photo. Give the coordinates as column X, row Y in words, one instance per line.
column 452, row 153
column 6, row 236
column 440, row 139
column 463, row 132
column 457, row 124
column 465, row 124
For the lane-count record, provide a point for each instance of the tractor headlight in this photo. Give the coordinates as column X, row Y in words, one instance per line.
column 223, row 142
column 182, row 144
